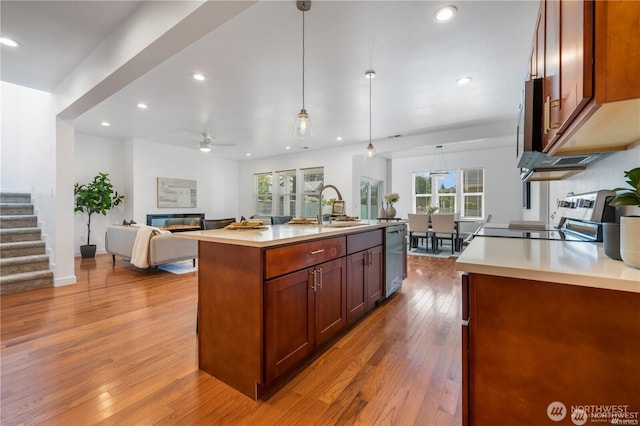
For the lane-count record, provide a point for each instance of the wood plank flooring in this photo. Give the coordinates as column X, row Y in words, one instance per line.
column 119, row 348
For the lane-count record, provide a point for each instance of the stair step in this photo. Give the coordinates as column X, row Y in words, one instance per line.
column 11, row 235
column 19, row 265
column 15, row 197
column 25, row 281
column 21, row 248
column 18, row 221
column 16, row 209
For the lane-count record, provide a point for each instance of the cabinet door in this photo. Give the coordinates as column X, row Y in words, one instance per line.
column 356, row 294
column 289, row 329
column 576, row 59
column 330, row 299
column 551, row 89
column 375, row 278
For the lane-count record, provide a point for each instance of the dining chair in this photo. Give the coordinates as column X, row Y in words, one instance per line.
column 418, row 229
column 443, row 228
column 280, row 220
column 217, row 223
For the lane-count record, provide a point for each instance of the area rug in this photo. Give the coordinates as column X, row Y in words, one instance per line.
column 445, row 253
column 179, row 267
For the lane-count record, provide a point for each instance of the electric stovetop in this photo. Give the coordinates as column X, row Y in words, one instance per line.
column 571, row 230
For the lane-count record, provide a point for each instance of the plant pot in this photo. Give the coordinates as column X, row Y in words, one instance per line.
column 88, row 251
column 391, row 211
column 629, row 241
column 611, row 240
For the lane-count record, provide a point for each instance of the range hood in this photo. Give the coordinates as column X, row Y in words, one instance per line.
column 534, row 164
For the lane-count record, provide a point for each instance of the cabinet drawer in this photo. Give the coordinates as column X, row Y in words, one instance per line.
column 363, row 241
column 282, row 260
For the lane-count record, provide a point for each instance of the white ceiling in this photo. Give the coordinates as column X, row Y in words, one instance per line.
column 253, row 64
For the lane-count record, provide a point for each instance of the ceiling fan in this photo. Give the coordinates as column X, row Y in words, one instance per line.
column 207, row 143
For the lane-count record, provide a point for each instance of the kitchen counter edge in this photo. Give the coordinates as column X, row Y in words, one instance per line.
column 575, row 263
column 275, row 235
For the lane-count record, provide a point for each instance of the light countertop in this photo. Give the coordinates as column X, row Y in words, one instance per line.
column 565, row 262
column 272, row 235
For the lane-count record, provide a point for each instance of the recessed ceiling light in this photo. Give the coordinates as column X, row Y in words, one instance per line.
column 142, row 105
column 339, row 138
column 463, row 80
column 105, row 124
column 9, row 42
column 198, row 76
column 445, row 14
column 370, row 74
column 287, row 147
column 248, row 154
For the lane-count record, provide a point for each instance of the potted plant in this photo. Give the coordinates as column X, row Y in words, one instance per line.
column 390, row 199
column 97, row 196
column 629, row 225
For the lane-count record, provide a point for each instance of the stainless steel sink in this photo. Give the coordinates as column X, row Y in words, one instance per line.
column 343, row 224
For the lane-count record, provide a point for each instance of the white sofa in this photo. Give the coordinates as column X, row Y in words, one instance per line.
column 163, row 248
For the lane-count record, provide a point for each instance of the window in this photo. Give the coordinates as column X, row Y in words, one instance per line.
column 286, row 193
column 282, row 196
column 263, row 193
column 473, row 193
column 421, row 192
column 445, row 192
column 434, row 191
column 313, row 179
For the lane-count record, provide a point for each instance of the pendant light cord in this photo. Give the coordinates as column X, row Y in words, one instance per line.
column 370, row 110
column 303, row 60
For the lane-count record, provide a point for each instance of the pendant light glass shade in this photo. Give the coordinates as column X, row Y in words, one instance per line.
column 302, row 126
column 371, row 150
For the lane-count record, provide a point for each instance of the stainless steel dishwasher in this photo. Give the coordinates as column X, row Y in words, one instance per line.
column 394, row 239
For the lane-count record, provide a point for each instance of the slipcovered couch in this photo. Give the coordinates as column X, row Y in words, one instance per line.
column 163, row 248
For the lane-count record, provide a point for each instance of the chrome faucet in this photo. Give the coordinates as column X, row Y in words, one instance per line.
column 320, row 200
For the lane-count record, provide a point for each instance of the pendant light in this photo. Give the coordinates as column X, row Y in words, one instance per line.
column 443, row 170
column 302, row 128
column 371, row 151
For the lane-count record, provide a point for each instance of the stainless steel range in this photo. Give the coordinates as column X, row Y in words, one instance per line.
column 577, row 217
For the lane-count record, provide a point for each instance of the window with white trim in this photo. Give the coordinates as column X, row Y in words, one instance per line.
column 472, row 193
column 278, row 193
column 263, row 193
column 286, row 193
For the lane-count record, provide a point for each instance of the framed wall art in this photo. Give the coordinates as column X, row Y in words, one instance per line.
column 174, row 192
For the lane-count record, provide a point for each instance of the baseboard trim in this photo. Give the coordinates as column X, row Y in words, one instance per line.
column 59, row 282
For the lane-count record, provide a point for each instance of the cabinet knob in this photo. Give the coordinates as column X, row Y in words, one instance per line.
column 316, row 251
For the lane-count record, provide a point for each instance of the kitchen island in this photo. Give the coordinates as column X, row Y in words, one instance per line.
column 550, row 329
column 270, row 299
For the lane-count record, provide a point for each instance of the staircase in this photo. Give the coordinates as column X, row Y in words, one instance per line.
column 23, row 262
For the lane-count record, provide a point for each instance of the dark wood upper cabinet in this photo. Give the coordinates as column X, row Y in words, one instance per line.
column 587, row 54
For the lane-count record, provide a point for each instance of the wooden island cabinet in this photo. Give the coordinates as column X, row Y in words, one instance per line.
column 548, row 328
column 365, row 273
column 268, row 303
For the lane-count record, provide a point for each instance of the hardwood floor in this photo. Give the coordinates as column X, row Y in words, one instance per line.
column 119, row 348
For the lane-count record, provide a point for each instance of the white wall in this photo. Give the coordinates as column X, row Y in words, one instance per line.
column 27, row 155
column 607, row 173
column 133, row 167
column 503, row 188
column 93, row 155
column 339, row 170
column 217, row 179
